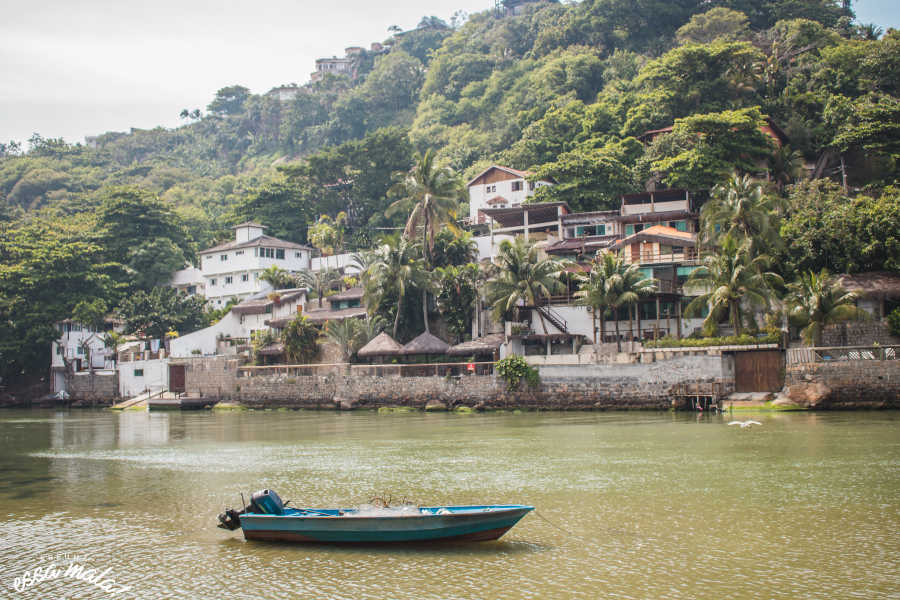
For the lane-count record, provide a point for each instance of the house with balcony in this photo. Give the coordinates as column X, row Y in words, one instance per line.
column 78, row 348
column 233, row 269
column 499, row 187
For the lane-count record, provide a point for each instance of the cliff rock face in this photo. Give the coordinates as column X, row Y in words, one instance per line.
column 807, row 395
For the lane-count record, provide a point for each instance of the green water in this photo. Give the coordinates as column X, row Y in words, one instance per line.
column 659, row 505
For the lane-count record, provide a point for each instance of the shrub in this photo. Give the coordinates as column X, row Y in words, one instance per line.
column 730, row 340
column 513, row 370
column 893, row 320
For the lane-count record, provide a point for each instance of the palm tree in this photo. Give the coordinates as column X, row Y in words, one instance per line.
column 319, row 282
column 522, row 278
column 740, row 209
column 817, row 300
column 786, row 166
column 278, row 278
column 593, row 290
column 431, row 196
column 397, row 268
column 730, row 282
column 625, row 287
column 345, row 334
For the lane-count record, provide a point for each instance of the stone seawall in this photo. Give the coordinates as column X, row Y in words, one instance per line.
column 844, row 384
column 640, row 386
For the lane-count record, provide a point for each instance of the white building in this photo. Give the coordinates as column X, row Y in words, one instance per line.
column 232, row 270
column 80, row 345
column 499, row 187
column 235, row 329
column 189, row 281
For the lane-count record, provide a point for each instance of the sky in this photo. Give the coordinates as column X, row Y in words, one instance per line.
column 75, row 68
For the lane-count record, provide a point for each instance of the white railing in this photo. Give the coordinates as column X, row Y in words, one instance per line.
column 824, row 354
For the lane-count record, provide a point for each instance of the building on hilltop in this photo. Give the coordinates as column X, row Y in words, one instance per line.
column 285, row 93
column 499, row 187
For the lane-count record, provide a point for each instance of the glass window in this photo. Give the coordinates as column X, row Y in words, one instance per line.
column 629, row 230
column 212, row 282
column 516, row 186
column 138, row 372
column 245, row 277
column 223, row 257
column 279, row 253
column 227, row 279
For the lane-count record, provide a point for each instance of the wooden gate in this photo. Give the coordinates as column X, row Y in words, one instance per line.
column 176, row 378
column 758, row 371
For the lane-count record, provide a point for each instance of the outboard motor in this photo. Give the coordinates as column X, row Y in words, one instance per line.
column 265, row 502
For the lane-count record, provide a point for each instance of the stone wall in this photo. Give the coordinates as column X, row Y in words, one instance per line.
column 645, row 386
column 859, row 333
column 98, row 387
column 844, row 384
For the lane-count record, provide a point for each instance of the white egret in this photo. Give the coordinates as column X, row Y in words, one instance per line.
column 747, row 423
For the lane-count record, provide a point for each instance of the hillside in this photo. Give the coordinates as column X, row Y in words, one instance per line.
column 565, row 90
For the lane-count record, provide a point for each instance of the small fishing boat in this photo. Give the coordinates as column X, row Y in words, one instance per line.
column 267, row 518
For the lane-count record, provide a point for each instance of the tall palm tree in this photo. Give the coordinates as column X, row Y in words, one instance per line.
column 431, row 196
column 741, row 209
column 730, row 282
column 625, row 286
column 397, row 268
column 593, row 289
column 522, row 277
column 817, row 300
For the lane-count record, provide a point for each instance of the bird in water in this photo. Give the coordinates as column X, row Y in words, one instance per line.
column 747, row 423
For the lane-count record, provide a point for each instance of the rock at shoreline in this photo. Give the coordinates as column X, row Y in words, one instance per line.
column 435, row 406
column 808, row 395
column 345, row 403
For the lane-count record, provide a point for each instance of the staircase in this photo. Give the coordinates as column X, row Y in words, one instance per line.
column 554, row 317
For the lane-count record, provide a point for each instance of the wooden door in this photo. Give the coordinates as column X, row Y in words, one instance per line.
column 758, row 371
column 176, row 378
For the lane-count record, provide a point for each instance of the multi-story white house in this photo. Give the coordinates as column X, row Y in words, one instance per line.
column 82, row 347
column 499, row 187
column 232, row 270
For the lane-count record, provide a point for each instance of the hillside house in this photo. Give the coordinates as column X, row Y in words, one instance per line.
column 499, row 187
column 232, row 269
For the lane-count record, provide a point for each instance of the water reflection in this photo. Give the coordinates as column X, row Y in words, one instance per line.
column 637, row 505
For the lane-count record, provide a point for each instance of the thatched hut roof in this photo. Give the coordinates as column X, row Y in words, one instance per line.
column 381, row 345
column 272, row 350
column 426, row 343
column 483, row 345
column 873, row 283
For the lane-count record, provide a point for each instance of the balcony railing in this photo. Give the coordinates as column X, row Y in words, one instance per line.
column 689, row 255
column 841, row 353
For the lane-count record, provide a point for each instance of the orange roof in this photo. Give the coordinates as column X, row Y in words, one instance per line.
column 667, row 231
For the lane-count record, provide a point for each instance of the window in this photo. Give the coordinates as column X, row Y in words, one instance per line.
column 256, row 277
column 490, row 188
column 298, row 255
column 245, row 277
column 239, row 252
column 279, row 253
column 138, row 372
column 223, row 257
column 228, row 280
column 212, row 282
column 269, row 253
column 531, row 186
column 629, row 229
column 517, row 186
column 59, row 350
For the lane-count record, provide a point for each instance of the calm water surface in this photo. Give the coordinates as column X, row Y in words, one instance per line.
column 663, row 505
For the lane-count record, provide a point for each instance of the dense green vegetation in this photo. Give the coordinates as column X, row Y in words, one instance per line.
column 565, row 90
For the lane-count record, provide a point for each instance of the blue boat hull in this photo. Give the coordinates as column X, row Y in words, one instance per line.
column 452, row 523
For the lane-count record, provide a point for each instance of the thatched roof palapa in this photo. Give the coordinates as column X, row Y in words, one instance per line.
column 483, row 345
column 426, row 343
column 873, row 283
column 381, row 345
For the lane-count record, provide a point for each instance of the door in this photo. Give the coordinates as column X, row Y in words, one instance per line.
column 176, row 378
column 758, row 371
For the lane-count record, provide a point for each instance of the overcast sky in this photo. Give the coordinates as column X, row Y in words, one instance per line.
column 70, row 68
